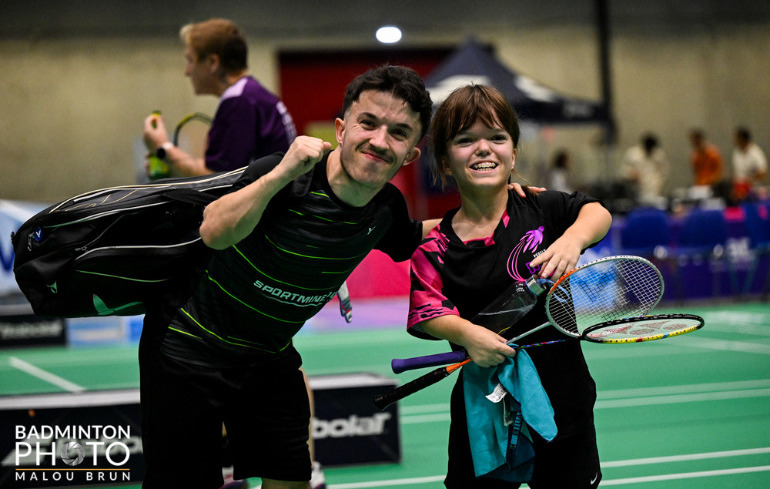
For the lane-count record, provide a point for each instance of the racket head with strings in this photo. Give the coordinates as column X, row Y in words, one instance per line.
column 645, row 328
column 191, row 134
column 608, row 289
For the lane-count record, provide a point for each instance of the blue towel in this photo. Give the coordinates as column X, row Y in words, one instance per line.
column 497, row 400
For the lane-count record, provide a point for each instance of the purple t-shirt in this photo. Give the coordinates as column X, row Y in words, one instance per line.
column 250, row 122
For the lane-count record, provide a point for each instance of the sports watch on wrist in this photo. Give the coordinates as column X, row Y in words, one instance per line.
column 162, row 151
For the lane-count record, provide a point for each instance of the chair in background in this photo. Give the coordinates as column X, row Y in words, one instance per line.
column 758, row 232
column 703, row 238
column 646, row 233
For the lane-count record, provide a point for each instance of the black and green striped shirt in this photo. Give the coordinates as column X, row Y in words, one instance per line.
column 254, row 297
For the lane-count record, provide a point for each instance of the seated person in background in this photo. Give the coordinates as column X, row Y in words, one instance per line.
column 646, row 166
column 749, row 165
column 706, row 160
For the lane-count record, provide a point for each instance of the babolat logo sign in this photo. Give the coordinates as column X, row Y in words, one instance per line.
column 347, row 427
column 71, row 455
column 350, row 426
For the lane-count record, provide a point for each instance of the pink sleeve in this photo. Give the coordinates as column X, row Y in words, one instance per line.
column 426, row 298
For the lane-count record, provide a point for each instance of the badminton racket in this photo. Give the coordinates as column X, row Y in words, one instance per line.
column 191, row 134
column 629, row 330
column 603, row 290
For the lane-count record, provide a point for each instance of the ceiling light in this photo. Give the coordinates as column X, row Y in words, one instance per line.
column 388, row 34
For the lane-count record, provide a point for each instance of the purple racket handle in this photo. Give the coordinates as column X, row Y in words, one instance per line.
column 403, row 364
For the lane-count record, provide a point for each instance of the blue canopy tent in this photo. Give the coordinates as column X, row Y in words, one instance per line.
column 533, row 102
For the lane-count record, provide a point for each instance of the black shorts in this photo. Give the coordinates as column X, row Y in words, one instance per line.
column 571, row 460
column 265, row 410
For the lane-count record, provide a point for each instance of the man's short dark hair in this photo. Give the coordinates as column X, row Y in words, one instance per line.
column 402, row 82
column 650, row 142
column 743, row 133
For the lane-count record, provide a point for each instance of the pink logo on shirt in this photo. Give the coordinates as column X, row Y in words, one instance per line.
column 528, row 243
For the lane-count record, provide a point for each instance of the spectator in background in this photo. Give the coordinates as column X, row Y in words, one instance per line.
column 558, row 177
column 706, row 160
column 749, row 164
column 646, row 167
column 250, row 122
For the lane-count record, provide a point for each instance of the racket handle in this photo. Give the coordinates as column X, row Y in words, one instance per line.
column 403, row 364
column 346, row 309
column 384, row 400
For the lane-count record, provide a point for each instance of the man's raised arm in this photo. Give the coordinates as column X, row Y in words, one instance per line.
column 229, row 219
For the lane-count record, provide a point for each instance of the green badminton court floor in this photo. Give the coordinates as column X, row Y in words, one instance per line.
column 687, row 412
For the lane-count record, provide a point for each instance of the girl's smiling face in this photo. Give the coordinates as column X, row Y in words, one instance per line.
column 481, row 156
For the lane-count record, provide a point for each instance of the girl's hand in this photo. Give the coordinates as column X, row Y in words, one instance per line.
column 559, row 258
column 485, row 347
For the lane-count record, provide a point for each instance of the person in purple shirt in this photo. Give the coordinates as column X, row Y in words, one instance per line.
column 250, row 122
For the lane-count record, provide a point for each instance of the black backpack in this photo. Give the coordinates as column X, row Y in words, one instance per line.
column 110, row 251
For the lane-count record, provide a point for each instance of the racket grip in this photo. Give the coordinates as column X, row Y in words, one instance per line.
column 382, row 401
column 403, row 364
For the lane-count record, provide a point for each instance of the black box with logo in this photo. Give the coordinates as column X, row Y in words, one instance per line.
column 347, row 428
column 19, row 326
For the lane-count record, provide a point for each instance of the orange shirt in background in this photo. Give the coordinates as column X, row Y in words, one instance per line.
column 707, row 165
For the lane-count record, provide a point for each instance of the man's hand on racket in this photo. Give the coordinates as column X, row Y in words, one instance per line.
column 517, row 187
column 429, row 224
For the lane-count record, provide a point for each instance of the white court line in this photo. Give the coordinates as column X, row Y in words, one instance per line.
column 686, row 458
column 44, row 375
column 683, row 389
column 683, row 398
column 424, row 408
column 619, row 463
column 623, row 398
column 605, row 482
column 726, row 345
column 685, row 475
column 425, row 418
column 389, row 483
column 757, row 329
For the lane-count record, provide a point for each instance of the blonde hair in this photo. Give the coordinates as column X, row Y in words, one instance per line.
column 217, row 36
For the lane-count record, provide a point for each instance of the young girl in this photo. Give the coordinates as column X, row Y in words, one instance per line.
column 493, row 239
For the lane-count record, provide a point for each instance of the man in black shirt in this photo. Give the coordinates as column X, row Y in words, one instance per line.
column 288, row 235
